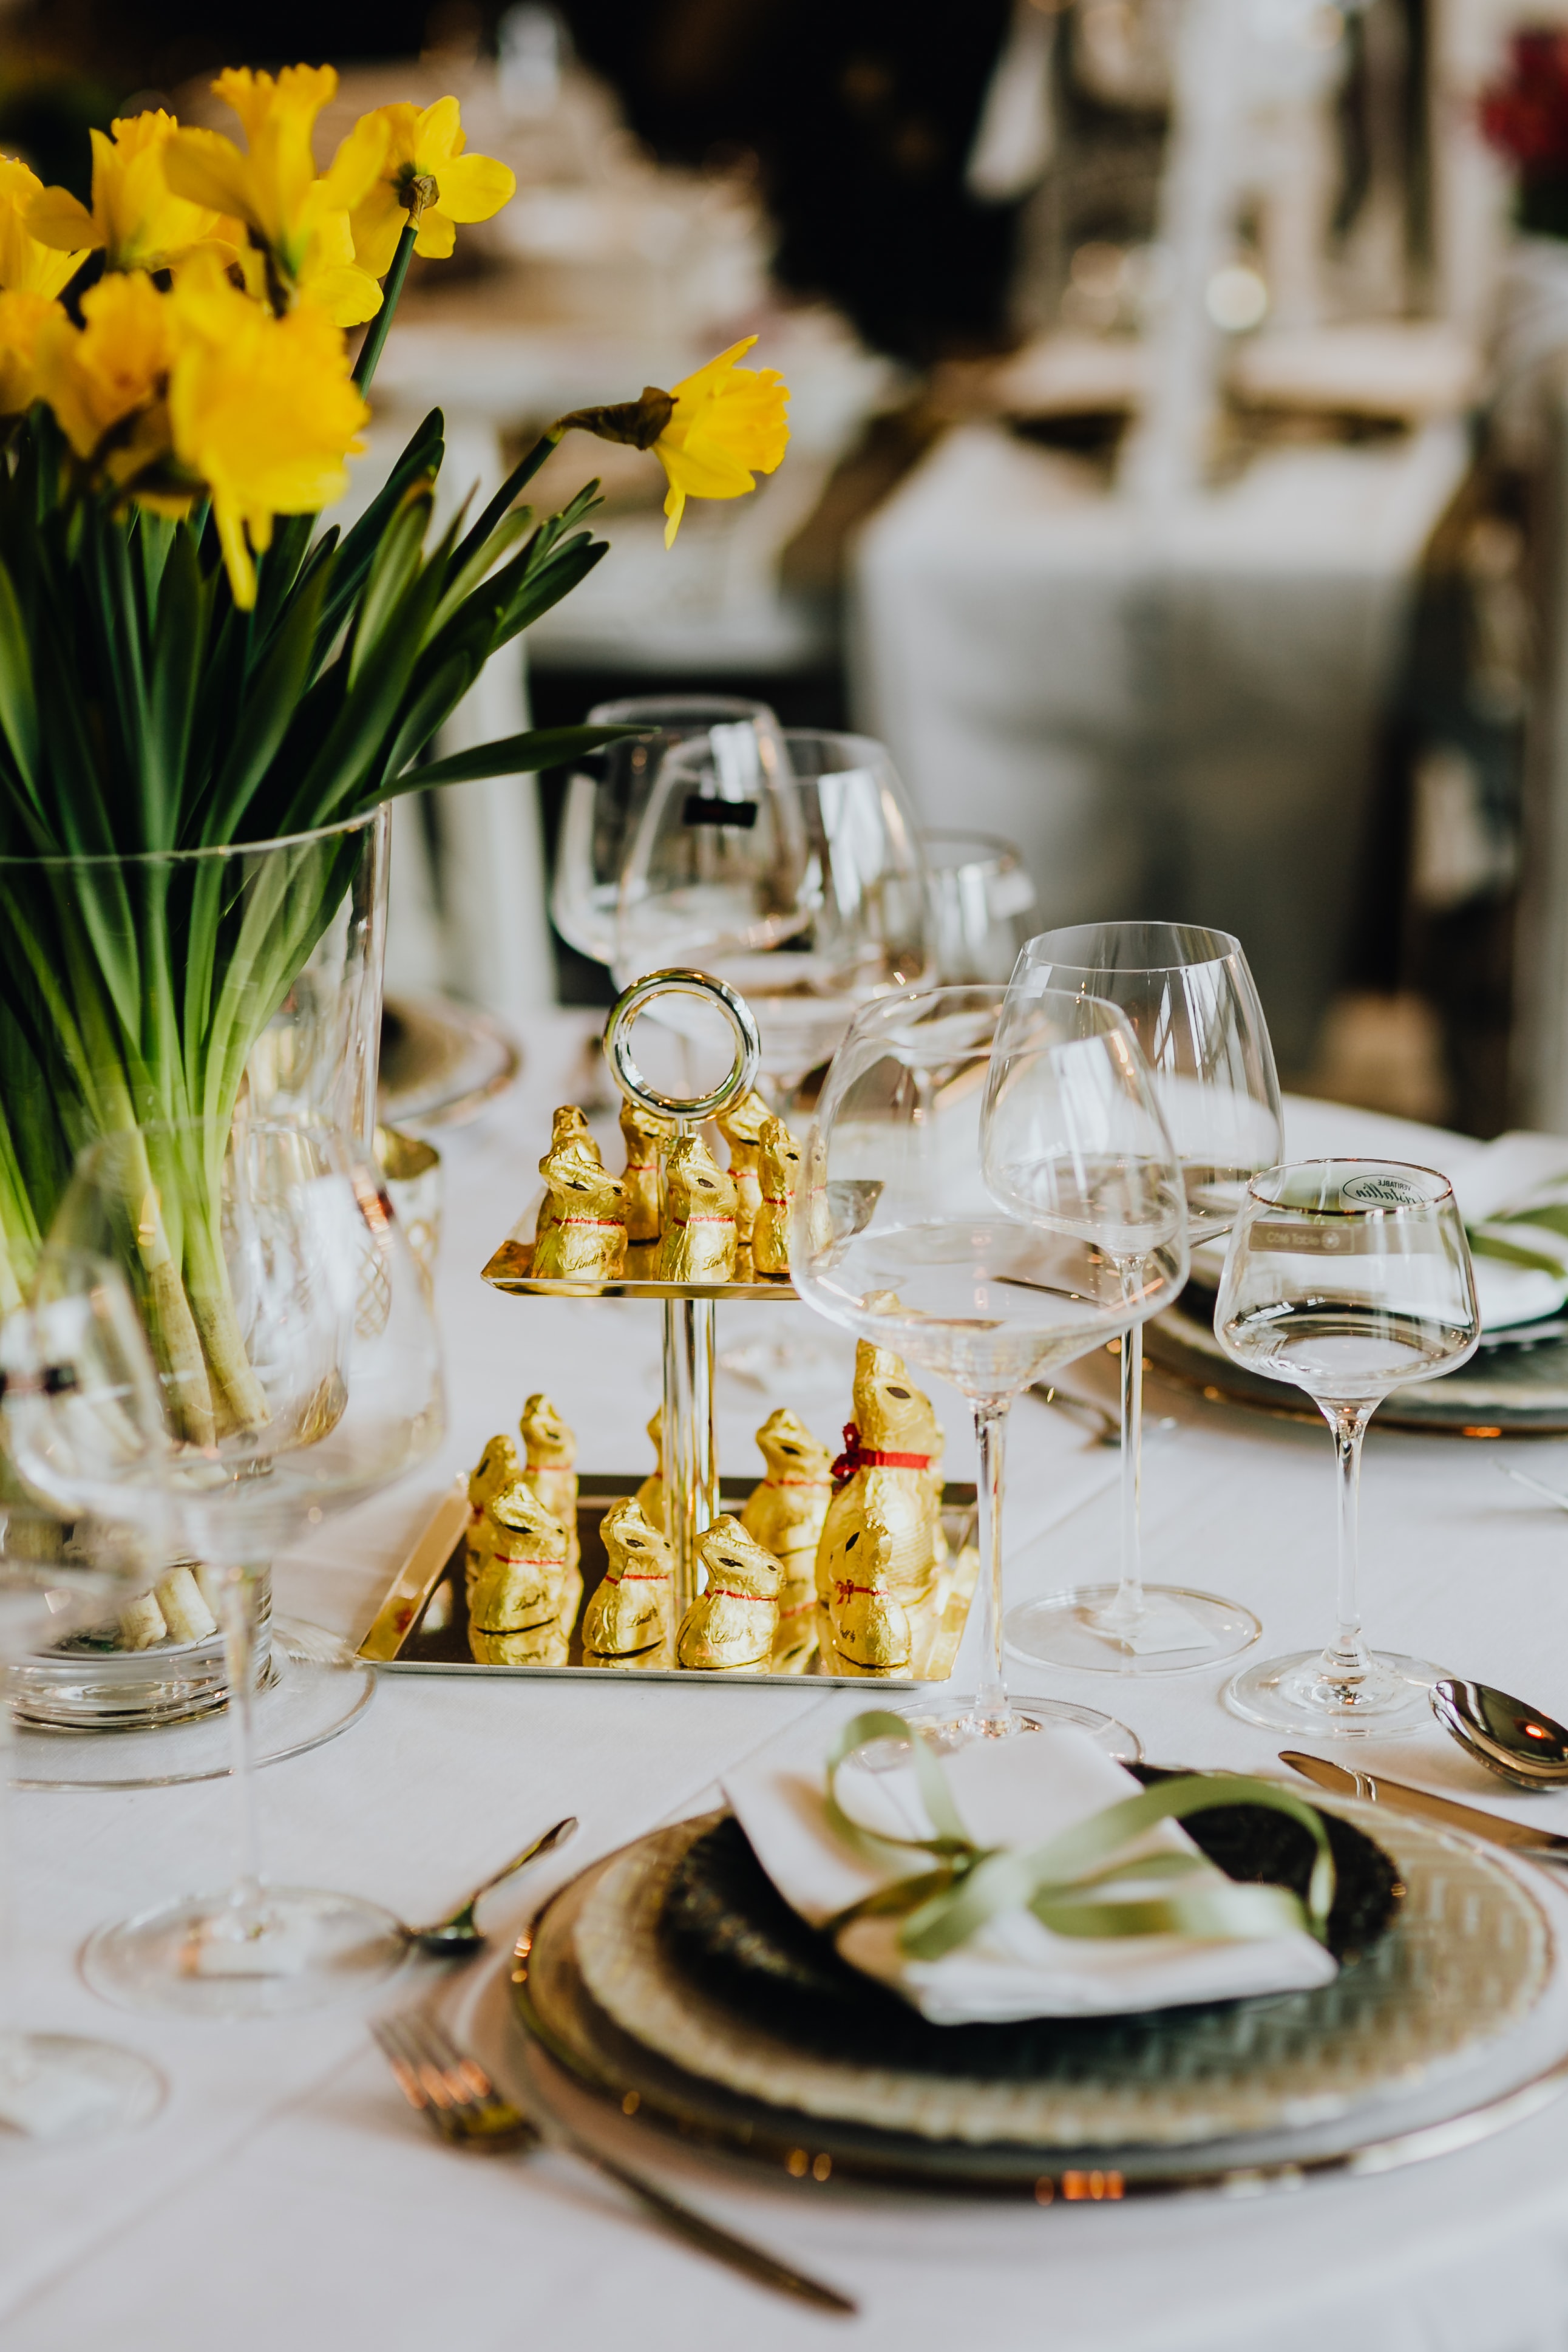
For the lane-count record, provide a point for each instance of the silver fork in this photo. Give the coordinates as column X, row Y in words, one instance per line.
column 452, row 2090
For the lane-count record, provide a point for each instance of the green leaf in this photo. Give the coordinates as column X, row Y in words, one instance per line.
column 421, row 459
column 466, row 577
column 512, row 755
column 396, row 567
column 18, row 711
column 517, row 481
column 265, row 715
column 178, row 644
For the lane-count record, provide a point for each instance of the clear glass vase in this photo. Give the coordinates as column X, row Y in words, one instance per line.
column 202, row 985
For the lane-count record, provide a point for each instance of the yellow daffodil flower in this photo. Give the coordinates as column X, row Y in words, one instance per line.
column 425, row 176
column 135, row 216
column 726, row 426
column 297, row 221
column 21, row 316
column 105, row 380
column 26, row 265
column 262, row 410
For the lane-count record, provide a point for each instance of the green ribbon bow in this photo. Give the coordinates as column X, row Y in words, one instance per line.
column 970, row 1884
column 1487, row 1242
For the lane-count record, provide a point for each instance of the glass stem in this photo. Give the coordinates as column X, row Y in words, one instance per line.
column 1346, row 1662
column 1128, row 1605
column 990, row 1436
column 241, row 1625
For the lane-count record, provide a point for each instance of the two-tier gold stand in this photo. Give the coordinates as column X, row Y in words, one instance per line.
column 690, row 1460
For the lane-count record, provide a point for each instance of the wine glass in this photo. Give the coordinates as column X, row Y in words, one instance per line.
column 898, row 1234
column 983, row 904
column 804, row 887
column 1191, row 1000
column 55, row 1582
column 606, row 794
column 227, row 1346
column 1347, row 1278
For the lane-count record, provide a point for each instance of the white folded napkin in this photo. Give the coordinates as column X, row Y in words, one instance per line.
column 1518, row 1173
column 1014, row 1792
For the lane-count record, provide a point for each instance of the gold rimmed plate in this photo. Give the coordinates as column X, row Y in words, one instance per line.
column 1451, row 2028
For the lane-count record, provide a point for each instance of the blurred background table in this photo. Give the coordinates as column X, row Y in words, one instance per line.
column 1167, row 709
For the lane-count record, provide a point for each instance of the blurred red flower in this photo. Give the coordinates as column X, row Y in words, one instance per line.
column 1527, row 116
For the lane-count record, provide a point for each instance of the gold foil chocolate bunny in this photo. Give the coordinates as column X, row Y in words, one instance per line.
column 632, row 1611
column 785, row 1513
column 514, row 1607
column 889, row 1477
column 645, row 1137
column 497, row 1469
column 741, row 1124
column 569, row 1138
column 698, row 1242
column 869, row 1627
column 551, row 1451
column 730, row 1626
column 584, row 1239
column 777, row 1175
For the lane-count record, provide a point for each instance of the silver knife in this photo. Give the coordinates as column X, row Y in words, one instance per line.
column 1541, row 1846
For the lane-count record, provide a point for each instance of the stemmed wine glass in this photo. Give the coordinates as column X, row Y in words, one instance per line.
column 1190, row 1001
column 898, row 1232
column 605, row 797
column 1347, row 1278
column 226, row 1344
column 804, row 887
column 59, row 2087
column 983, row 906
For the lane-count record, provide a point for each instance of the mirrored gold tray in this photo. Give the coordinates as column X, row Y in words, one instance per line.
column 1453, row 2027
column 421, row 1624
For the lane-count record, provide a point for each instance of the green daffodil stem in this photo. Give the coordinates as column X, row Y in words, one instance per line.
column 381, row 325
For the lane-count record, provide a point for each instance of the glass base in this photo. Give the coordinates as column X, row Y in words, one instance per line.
column 60, row 2086
column 315, row 1688
column 299, row 1948
column 950, row 1722
column 1294, row 1694
column 1177, row 1632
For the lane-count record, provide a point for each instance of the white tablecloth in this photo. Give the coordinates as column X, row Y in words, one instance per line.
column 286, row 2197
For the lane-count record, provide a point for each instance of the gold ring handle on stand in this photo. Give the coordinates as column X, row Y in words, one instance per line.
column 689, row 1461
column 679, row 983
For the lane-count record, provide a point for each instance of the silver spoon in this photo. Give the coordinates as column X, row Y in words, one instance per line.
column 1515, row 1741
column 457, row 1936
column 1535, row 1486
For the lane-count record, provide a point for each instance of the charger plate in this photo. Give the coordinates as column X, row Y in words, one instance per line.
column 1452, row 2026
column 1515, row 1390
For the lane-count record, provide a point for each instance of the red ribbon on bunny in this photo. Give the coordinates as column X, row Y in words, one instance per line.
column 856, row 1456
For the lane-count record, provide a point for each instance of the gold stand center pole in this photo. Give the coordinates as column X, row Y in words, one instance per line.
column 690, row 1464
column 691, row 1455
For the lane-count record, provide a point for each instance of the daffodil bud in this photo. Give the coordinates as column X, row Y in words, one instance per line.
column 638, row 423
